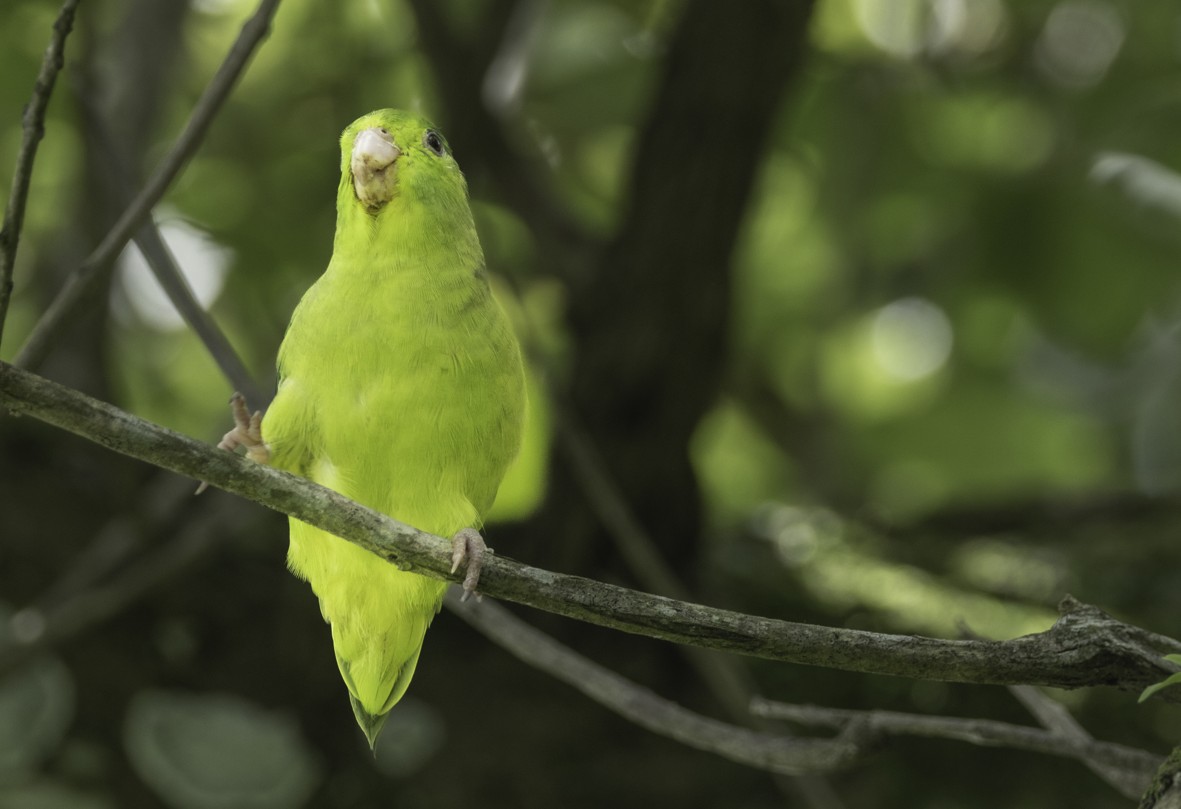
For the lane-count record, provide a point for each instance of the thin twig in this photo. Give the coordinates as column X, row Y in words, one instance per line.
column 1085, row 647
column 164, row 267
column 1054, row 717
column 726, row 676
column 641, row 705
column 33, row 129
column 639, row 551
column 766, row 750
column 1138, row 765
column 34, row 629
column 161, row 502
column 83, row 280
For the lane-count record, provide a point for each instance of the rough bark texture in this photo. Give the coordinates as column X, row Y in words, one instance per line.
column 1165, row 791
column 1085, row 647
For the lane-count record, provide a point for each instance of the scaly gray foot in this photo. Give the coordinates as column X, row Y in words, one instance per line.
column 247, row 433
column 468, row 548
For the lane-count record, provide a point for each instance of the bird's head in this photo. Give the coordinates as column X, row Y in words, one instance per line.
column 392, row 154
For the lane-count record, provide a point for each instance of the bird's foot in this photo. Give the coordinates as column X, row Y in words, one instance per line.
column 468, row 548
column 247, row 433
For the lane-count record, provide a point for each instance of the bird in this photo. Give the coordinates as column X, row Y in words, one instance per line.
column 401, row 386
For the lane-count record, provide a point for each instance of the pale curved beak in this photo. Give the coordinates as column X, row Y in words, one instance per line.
column 374, row 168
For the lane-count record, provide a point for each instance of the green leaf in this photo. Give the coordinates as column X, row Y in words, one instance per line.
column 1172, row 680
column 218, row 752
column 36, row 706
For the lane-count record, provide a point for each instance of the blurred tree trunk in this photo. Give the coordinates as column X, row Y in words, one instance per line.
column 651, row 321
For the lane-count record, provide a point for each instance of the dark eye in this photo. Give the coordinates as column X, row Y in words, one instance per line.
column 433, row 142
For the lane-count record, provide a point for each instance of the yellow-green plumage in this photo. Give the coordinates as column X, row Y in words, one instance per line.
column 401, row 387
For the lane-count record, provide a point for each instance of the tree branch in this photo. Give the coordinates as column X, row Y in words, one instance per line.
column 1054, row 717
column 1085, row 647
column 871, row 726
column 1165, row 790
column 730, row 683
column 38, row 627
column 163, row 264
column 33, row 129
column 162, row 504
column 82, row 281
column 728, row 679
column 643, row 707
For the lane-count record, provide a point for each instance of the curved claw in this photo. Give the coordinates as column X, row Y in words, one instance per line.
column 468, row 548
column 247, row 433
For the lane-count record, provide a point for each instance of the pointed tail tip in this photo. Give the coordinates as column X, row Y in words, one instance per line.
column 370, row 724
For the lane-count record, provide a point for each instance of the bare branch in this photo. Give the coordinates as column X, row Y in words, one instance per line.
column 644, row 707
column 83, row 280
column 1165, row 790
column 38, row 627
column 729, row 681
column 631, row 540
column 164, row 267
column 726, row 676
column 33, row 129
column 1137, row 765
column 161, row 504
column 1054, row 717
column 1085, row 647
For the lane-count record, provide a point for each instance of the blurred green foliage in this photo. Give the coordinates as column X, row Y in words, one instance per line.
column 956, row 308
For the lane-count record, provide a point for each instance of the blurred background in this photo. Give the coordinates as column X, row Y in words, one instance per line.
column 868, row 312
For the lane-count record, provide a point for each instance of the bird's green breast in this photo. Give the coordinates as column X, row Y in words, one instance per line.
column 415, row 387
column 404, row 393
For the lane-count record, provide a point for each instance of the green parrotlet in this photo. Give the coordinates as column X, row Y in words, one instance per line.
column 400, row 386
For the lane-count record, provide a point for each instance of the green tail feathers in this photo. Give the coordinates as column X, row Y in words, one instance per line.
column 371, row 724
